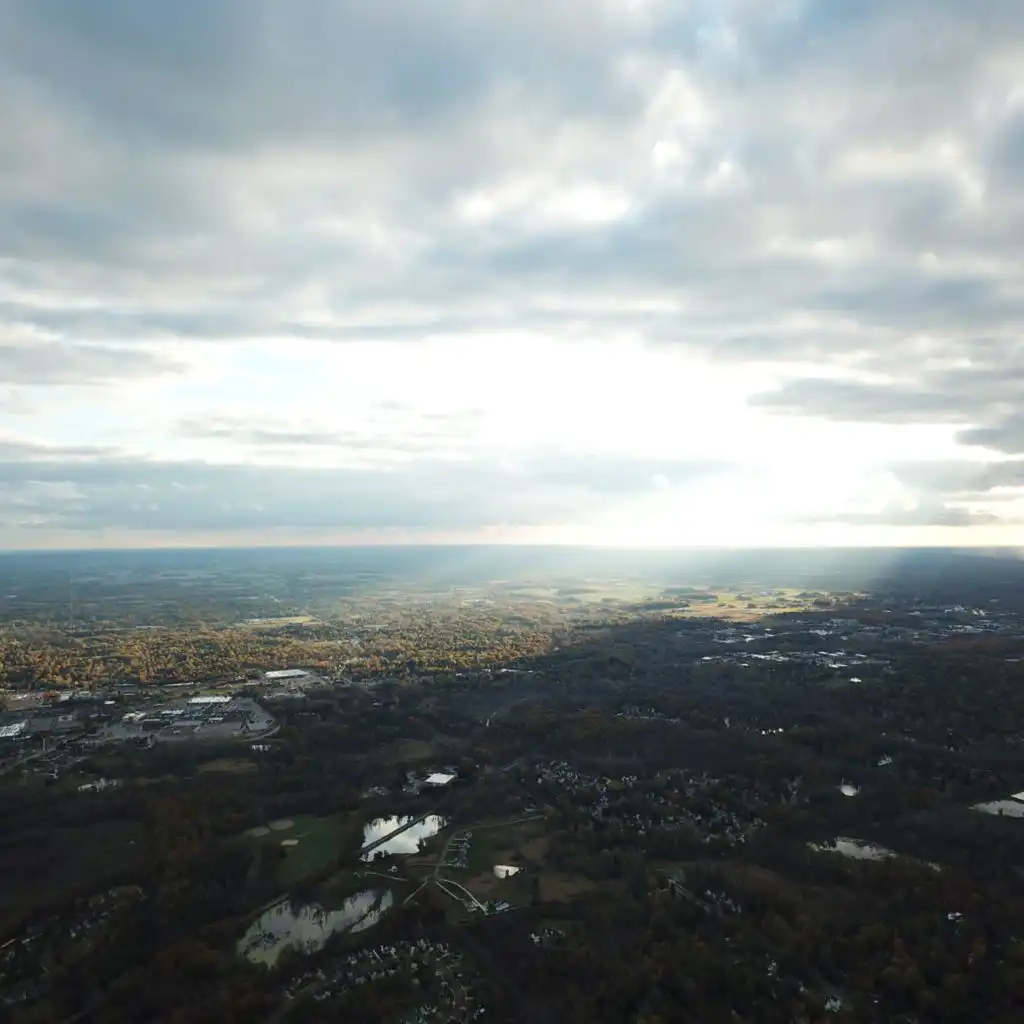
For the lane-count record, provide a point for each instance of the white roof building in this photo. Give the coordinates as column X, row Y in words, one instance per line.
column 286, row 673
column 439, row 779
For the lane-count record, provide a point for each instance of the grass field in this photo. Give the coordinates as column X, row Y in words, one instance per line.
column 411, row 751
column 516, row 889
column 745, row 606
column 284, row 620
column 519, row 844
column 228, row 765
column 499, row 843
column 319, row 842
column 556, row 887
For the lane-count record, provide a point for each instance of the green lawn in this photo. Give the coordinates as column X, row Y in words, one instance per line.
column 488, row 842
column 320, row 841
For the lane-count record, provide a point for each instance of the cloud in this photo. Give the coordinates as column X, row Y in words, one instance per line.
column 767, row 185
column 125, row 493
column 388, row 428
column 220, row 131
column 264, row 434
column 16, row 452
column 855, row 401
column 917, row 516
column 1005, row 435
column 43, row 362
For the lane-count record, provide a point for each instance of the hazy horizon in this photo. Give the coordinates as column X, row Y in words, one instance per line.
column 306, row 545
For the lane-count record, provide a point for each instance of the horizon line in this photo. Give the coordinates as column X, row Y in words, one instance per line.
column 511, row 545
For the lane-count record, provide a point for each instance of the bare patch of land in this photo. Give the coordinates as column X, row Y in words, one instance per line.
column 556, row 887
column 228, row 765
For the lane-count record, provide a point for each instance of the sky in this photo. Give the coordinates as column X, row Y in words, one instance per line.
column 698, row 272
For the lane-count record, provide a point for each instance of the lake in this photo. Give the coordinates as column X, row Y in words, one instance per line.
column 307, row 928
column 404, row 843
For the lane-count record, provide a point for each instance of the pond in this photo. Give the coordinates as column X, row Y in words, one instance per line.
column 505, row 870
column 854, row 848
column 405, row 842
column 1006, row 808
column 307, row 928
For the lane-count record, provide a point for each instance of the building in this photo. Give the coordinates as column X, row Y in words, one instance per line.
column 279, row 675
column 198, row 718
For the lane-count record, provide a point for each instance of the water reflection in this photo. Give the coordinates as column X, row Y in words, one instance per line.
column 856, row 848
column 406, row 842
column 1008, row 808
column 307, row 928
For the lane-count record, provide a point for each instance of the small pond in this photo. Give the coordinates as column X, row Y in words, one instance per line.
column 307, row 928
column 1007, row 808
column 854, row 848
column 406, row 842
column 505, row 870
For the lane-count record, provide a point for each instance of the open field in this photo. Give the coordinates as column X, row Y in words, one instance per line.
column 751, row 880
column 516, row 889
column 556, row 887
column 318, row 844
column 745, row 606
column 411, row 751
column 502, row 843
column 284, row 620
column 492, row 844
column 535, row 851
column 229, row 766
